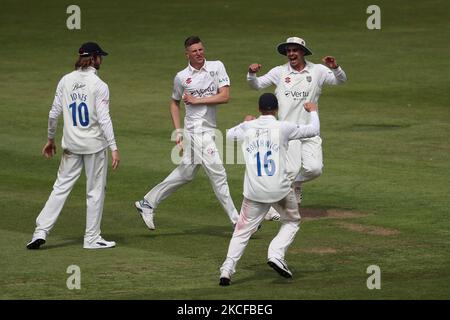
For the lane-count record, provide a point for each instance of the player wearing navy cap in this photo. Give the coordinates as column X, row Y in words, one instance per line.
column 83, row 100
column 266, row 182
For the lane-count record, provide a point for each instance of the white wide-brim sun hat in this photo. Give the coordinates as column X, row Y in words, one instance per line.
column 293, row 40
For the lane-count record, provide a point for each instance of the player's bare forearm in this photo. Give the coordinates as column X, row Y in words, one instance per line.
column 175, row 113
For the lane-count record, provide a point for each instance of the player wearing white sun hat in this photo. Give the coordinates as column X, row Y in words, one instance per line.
column 298, row 81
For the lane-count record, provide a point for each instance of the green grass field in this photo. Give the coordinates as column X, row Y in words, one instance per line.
column 386, row 151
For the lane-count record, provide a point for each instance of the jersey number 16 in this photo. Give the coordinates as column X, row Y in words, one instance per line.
column 269, row 164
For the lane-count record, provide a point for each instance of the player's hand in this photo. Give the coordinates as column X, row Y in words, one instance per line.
column 115, row 159
column 189, row 99
column 330, row 62
column 179, row 142
column 310, row 106
column 254, row 68
column 249, row 117
column 49, row 149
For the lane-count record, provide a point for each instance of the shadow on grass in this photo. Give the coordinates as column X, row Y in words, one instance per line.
column 213, row 231
column 265, row 272
column 61, row 244
column 142, row 238
column 377, row 126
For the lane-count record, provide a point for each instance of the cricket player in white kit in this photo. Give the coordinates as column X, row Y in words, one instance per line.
column 266, row 183
column 202, row 85
column 299, row 81
column 83, row 99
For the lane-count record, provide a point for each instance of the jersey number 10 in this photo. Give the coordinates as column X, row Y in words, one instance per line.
column 269, row 164
column 83, row 114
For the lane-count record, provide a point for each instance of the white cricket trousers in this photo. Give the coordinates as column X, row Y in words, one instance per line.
column 199, row 150
column 96, row 166
column 251, row 216
column 304, row 159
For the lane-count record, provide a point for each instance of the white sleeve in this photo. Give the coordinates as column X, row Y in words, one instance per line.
column 177, row 92
column 104, row 119
column 295, row 131
column 237, row 132
column 333, row 76
column 270, row 78
column 55, row 111
column 224, row 79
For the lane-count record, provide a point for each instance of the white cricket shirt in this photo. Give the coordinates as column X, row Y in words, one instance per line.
column 83, row 99
column 294, row 88
column 200, row 83
column 265, row 143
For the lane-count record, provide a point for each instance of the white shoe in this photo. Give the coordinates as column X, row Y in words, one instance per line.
column 99, row 243
column 225, row 278
column 146, row 212
column 298, row 191
column 280, row 266
column 272, row 215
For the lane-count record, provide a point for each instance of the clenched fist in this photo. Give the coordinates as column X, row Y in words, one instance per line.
column 254, row 68
column 310, row 106
column 330, row 62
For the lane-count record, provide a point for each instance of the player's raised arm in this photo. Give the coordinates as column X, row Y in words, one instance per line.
column 257, row 83
column 334, row 75
column 237, row 132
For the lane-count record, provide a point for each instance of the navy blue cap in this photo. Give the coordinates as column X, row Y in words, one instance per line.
column 91, row 48
column 268, row 102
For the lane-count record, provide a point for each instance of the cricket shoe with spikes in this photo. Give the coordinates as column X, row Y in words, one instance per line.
column 146, row 212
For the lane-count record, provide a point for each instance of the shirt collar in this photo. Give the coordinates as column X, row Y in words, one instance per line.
column 193, row 70
column 266, row 117
column 307, row 68
column 88, row 69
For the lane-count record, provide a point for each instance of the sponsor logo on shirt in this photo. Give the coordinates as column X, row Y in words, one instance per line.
column 78, row 85
column 201, row 92
column 296, row 95
column 224, row 79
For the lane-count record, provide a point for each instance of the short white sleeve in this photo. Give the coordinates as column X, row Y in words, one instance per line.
column 223, row 78
column 178, row 89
